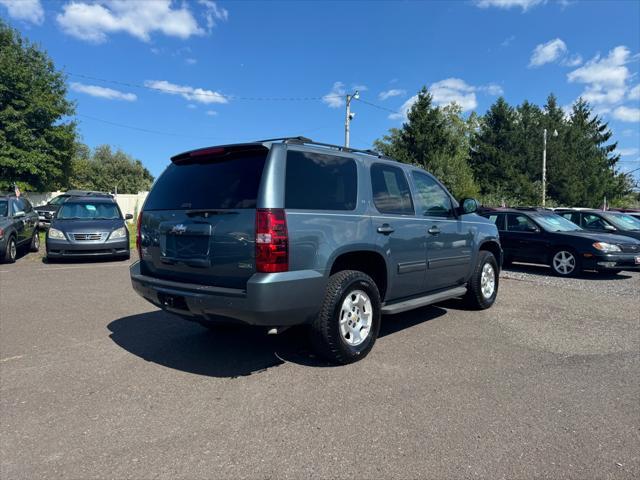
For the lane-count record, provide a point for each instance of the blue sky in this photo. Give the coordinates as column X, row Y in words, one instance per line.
column 207, row 72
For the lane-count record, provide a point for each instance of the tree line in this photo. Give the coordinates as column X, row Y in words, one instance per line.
column 496, row 157
column 39, row 142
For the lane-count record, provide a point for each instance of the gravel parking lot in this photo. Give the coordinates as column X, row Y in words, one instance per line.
column 96, row 383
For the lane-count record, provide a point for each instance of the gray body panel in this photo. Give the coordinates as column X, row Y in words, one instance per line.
column 417, row 263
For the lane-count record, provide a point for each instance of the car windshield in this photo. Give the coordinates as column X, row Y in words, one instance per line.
column 89, row 211
column 4, row 208
column 623, row 221
column 556, row 223
column 58, row 200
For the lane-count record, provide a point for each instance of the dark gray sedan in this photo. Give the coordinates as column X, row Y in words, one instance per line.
column 18, row 227
column 88, row 227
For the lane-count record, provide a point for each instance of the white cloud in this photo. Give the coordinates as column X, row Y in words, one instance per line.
column 607, row 71
column 191, row 106
column 507, row 4
column 507, row 41
column 93, row 22
column 190, row 61
column 401, row 114
column 102, row 92
column 192, row 94
column 26, row 10
column 448, row 91
column 394, row 92
column 547, row 52
column 634, row 93
column 454, row 90
column 335, row 98
column 628, row 152
column 211, row 113
column 627, row 114
column 213, row 13
column 596, row 94
column 491, row 89
column 572, row 61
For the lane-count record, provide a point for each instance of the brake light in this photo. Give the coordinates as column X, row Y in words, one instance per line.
column 272, row 241
column 139, row 236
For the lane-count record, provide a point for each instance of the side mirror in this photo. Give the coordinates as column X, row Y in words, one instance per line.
column 610, row 228
column 19, row 214
column 532, row 229
column 128, row 216
column 469, row 205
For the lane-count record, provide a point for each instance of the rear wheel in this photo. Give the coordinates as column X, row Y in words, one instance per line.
column 565, row 263
column 349, row 321
column 35, row 242
column 482, row 288
column 11, row 251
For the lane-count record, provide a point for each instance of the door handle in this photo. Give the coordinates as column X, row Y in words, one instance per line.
column 434, row 230
column 385, row 229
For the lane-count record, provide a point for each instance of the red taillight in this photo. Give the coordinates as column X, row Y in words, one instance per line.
column 272, row 241
column 138, row 236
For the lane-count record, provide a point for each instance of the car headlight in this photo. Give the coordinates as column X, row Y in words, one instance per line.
column 118, row 233
column 57, row 234
column 606, row 247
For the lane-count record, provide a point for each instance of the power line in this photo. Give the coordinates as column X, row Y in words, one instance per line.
column 204, row 94
column 379, row 107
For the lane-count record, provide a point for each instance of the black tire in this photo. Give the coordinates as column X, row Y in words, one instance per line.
column 570, row 269
column 10, row 251
column 126, row 256
column 34, row 246
column 326, row 335
column 477, row 288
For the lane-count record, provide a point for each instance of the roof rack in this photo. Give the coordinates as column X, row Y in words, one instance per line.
column 307, row 141
column 532, row 209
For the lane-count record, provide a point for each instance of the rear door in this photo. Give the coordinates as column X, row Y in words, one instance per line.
column 525, row 239
column 198, row 223
column 399, row 232
column 449, row 239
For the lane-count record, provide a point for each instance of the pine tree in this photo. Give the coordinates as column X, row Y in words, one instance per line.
column 436, row 139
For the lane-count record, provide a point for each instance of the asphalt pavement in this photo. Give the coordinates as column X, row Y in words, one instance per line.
column 97, row 383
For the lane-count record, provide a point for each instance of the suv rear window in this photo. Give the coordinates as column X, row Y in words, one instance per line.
column 320, row 182
column 228, row 182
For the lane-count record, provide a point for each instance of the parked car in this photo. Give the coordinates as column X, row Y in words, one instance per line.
column 282, row 233
column 618, row 223
column 541, row 236
column 91, row 226
column 49, row 209
column 18, row 227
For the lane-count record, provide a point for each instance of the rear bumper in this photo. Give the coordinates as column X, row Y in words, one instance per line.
column 65, row 249
column 270, row 299
column 614, row 261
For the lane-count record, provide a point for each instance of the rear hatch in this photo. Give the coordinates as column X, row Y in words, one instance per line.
column 198, row 222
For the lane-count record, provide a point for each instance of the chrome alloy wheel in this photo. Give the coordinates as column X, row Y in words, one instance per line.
column 564, row 262
column 13, row 250
column 488, row 280
column 356, row 315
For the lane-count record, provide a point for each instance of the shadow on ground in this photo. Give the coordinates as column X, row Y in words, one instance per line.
column 545, row 271
column 167, row 340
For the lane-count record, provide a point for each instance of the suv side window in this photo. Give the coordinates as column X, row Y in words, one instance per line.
column 391, row 192
column 27, row 206
column 498, row 219
column 433, row 200
column 18, row 206
column 320, row 182
column 520, row 223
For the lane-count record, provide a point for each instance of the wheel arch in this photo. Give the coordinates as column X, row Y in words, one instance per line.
column 493, row 247
column 368, row 261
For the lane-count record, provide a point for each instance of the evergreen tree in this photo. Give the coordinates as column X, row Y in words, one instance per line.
column 436, row 139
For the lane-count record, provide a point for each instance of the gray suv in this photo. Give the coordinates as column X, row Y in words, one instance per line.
column 284, row 232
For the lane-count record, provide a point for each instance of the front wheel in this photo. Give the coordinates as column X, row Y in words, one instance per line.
column 482, row 288
column 565, row 263
column 349, row 321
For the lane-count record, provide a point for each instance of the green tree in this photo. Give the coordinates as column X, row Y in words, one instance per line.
column 108, row 170
column 436, row 139
column 36, row 141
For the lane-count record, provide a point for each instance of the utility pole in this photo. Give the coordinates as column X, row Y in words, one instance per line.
column 544, row 164
column 544, row 168
column 348, row 117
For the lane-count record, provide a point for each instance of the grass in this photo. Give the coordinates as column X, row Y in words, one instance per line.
column 132, row 235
